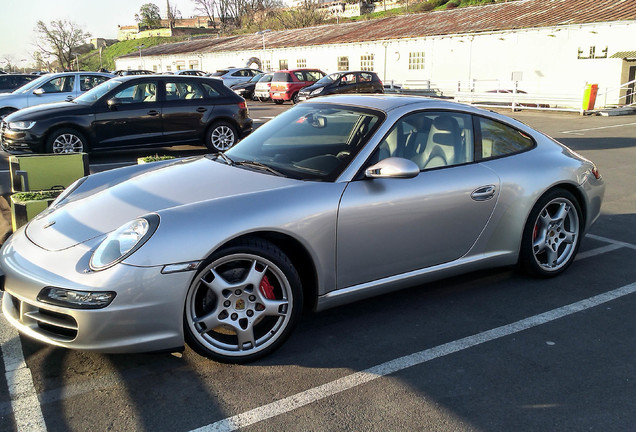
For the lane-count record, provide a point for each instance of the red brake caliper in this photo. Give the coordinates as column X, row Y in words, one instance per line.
column 267, row 289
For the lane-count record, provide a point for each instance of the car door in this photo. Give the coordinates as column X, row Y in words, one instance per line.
column 130, row 116
column 391, row 226
column 365, row 83
column 347, row 84
column 185, row 110
column 56, row 89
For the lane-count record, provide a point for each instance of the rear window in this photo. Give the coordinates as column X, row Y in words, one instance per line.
column 282, row 77
column 220, row 72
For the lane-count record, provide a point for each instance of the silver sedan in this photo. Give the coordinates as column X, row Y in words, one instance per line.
column 335, row 200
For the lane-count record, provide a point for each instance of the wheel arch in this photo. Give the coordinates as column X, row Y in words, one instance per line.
column 67, row 125
column 296, row 252
column 574, row 190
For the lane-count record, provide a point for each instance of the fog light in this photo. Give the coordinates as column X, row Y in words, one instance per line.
column 76, row 299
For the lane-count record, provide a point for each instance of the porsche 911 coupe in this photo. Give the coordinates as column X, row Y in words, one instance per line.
column 332, row 201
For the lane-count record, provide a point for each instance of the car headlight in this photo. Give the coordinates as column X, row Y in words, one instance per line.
column 123, row 242
column 317, row 91
column 21, row 125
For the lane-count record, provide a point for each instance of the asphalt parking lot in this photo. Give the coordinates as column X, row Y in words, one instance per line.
column 488, row 351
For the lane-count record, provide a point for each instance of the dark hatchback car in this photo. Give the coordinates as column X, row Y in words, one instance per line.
column 10, row 82
column 130, row 112
column 246, row 89
column 343, row 82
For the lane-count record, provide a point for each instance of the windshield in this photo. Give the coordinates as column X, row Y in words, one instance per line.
column 312, row 141
column 257, row 77
column 33, row 84
column 328, row 79
column 97, row 92
column 266, row 78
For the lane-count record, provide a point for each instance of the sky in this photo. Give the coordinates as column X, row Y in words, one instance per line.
column 98, row 17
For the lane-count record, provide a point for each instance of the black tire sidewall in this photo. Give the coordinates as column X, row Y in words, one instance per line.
column 527, row 259
column 270, row 252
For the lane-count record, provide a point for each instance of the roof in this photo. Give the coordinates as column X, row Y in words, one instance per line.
column 624, row 55
column 511, row 15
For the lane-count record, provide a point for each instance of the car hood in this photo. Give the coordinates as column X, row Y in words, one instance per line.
column 183, row 183
column 312, row 87
column 46, row 111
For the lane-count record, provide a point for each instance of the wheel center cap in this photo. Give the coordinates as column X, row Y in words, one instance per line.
column 240, row 304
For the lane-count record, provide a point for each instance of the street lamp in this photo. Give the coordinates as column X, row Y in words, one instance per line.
column 139, row 47
column 23, row 65
column 262, row 34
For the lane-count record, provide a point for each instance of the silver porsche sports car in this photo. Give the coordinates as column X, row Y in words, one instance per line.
column 337, row 199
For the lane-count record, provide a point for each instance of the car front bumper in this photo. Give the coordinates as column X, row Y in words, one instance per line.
column 11, row 140
column 145, row 315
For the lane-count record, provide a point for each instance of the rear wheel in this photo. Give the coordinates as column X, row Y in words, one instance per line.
column 552, row 234
column 295, row 99
column 66, row 140
column 244, row 304
column 221, row 136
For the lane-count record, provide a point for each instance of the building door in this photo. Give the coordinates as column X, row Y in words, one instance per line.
column 629, row 99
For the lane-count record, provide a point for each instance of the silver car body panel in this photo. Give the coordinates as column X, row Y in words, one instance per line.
column 364, row 236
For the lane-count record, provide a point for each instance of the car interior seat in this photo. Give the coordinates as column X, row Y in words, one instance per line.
column 444, row 142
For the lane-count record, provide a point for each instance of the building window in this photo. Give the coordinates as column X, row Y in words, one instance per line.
column 343, row 63
column 301, row 63
column 267, row 65
column 154, row 68
column 366, row 62
column 416, row 60
column 168, row 68
column 283, row 65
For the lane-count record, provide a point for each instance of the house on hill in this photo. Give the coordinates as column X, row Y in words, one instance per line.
column 542, row 47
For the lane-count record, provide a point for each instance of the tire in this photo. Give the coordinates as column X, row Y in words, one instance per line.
column 552, row 234
column 221, row 136
column 66, row 140
column 294, row 98
column 278, row 101
column 227, row 318
column 262, row 99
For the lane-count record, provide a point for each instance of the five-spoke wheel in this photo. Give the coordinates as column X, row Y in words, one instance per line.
column 552, row 234
column 244, row 303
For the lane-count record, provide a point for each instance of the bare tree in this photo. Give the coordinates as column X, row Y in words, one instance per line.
column 208, row 8
column 60, row 40
column 173, row 14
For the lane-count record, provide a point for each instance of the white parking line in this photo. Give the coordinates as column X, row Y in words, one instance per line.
column 24, row 399
column 28, row 414
column 315, row 394
column 576, row 131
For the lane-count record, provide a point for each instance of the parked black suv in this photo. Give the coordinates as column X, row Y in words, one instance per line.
column 343, row 82
column 130, row 112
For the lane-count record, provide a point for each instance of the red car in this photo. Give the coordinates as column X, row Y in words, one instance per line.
column 287, row 83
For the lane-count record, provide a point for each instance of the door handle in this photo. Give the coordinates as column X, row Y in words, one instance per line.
column 201, row 109
column 153, row 112
column 483, row 193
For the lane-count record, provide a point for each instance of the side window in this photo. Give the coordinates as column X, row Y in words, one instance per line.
column 498, row 139
column 314, row 75
column 348, row 79
column 183, row 90
column 145, row 92
column 299, row 76
column 364, row 76
column 430, row 139
column 209, row 91
column 63, row 84
column 87, row 82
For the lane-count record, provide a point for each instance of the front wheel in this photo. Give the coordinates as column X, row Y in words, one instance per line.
column 66, row 140
column 552, row 234
column 244, row 304
column 221, row 136
column 295, row 99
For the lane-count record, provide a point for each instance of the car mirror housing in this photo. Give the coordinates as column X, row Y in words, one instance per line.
column 38, row 91
column 393, row 167
column 113, row 103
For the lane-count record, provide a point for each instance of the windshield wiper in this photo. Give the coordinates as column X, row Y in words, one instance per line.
column 225, row 158
column 260, row 166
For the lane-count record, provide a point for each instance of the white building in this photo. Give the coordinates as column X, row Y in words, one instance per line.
column 543, row 47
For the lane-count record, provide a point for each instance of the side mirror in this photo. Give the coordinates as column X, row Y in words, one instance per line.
column 393, row 167
column 113, row 103
column 39, row 91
